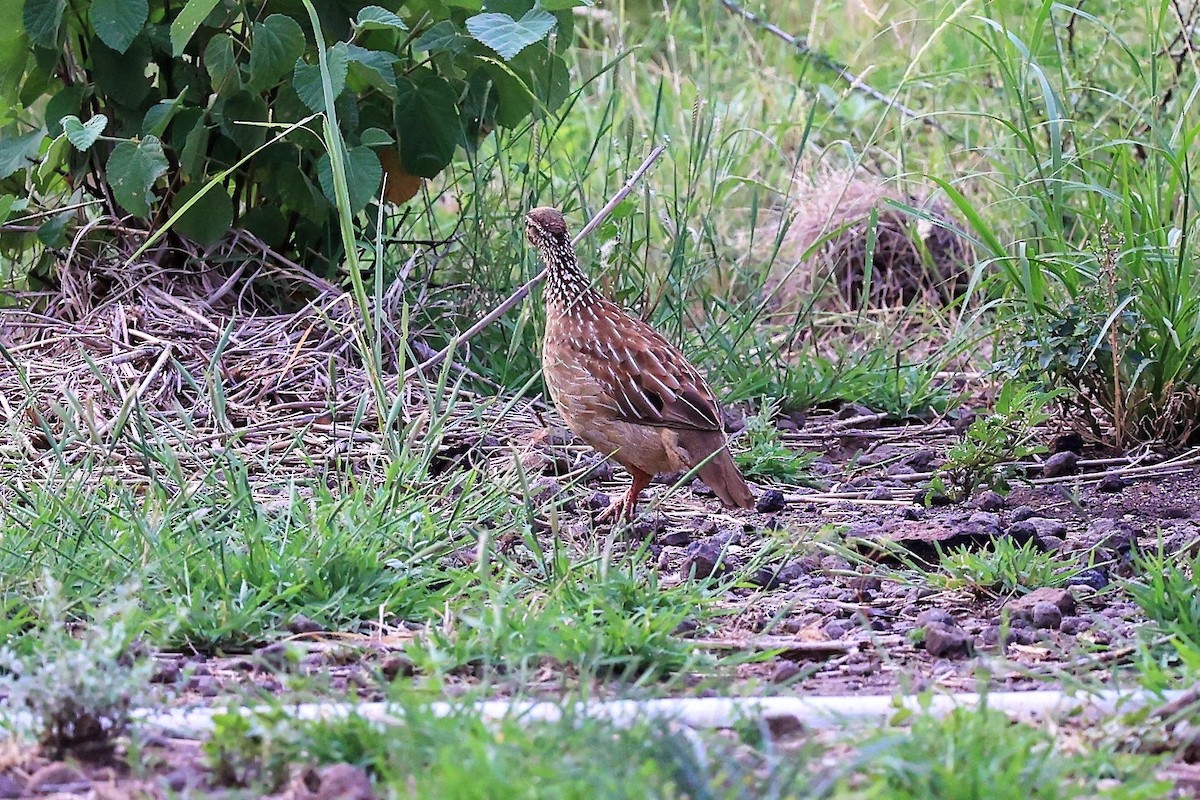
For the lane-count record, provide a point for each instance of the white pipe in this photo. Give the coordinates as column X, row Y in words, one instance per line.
column 706, row 712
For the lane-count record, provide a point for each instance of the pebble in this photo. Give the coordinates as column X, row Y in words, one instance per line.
column 1022, row 512
column 1062, row 463
column 1074, row 625
column 1093, row 577
column 990, row 501
column 770, row 502
column 1046, row 615
column 838, row 628
column 939, row 615
column 944, row 641
column 1025, row 608
column 784, row 672
column 1111, row 483
column 300, row 624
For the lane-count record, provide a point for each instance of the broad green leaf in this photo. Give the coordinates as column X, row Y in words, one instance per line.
column 374, row 18
column 221, row 64
column 6, row 205
column 535, row 81
column 122, row 76
column 118, row 22
column 83, row 134
column 427, row 122
column 243, row 107
column 192, row 157
column 564, row 5
column 442, row 37
column 69, row 100
column 508, row 36
column 132, row 170
column 363, row 174
column 52, row 232
column 208, row 217
column 19, row 151
column 307, row 77
column 159, row 116
column 278, row 42
column 376, row 137
column 42, row 19
column 377, row 66
column 52, row 159
column 267, row 223
column 14, row 52
column 185, row 25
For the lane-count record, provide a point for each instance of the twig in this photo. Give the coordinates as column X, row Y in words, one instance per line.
column 856, row 83
column 520, row 293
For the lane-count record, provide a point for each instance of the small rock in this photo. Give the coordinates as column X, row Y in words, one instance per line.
column 300, row 624
column 1111, row 483
column 1062, row 463
column 785, row 671
column 545, row 491
column 204, row 685
column 1022, row 512
column 880, row 493
column 677, row 537
column 56, row 777
column 1094, row 577
column 946, row 641
column 397, row 666
column 166, row 670
column 1175, row 512
column 1074, row 625
column 598, row 501
column 770, row 502
column 334, row 782
column 911, row 513
column 278, row 655
column 990, row 501
column 837, row 628
column 1046, row 615
column 601, row 470
column 1037, row 530
column 1023, row 608
column 939, row 615
column 702, row 560
column 922, row 459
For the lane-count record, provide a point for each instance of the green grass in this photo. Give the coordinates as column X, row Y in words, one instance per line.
column 1005, row 569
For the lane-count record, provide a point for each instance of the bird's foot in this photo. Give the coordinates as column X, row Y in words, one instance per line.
column 624, row 507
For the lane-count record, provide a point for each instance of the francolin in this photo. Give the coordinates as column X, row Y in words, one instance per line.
column 623, row 388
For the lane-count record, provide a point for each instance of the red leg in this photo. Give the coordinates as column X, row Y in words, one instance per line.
column 626, row 505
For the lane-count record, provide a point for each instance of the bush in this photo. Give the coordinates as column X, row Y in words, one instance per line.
column 142, row 104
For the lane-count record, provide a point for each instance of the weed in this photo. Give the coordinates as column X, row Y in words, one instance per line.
column 978, row 754
column 762, row 455
column 985, row 455
column 1006, row 569
column 79, row 691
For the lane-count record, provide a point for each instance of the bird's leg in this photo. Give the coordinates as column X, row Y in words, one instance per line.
column 626, row 505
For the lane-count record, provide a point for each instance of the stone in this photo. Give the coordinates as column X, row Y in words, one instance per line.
column 1062, row 463
column 703, row 559
column 300, row 624
column 1111, row 483
column 1074, row 625
column 1023, row 608
column 946, row 641
column 785, row 671
column 990, row 501
column 770, row 502
column 1046, row 616
column 332, row 782
column 939, row 615
column 1093, row 577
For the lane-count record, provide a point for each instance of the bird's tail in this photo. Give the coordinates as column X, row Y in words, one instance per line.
column 722, row 476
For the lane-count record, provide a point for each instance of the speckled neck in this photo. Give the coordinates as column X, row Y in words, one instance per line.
column 567, row 288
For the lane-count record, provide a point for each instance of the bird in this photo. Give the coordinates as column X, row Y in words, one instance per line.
column 623, row 388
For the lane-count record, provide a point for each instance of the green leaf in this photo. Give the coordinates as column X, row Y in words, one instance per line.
column 52, row 232
column 185, row 25
column 14, row 52
column 221, row 64
column 83, row 134
column 122, row 76
column 132, row 170
column 208, row 217
column 376, row 137
column 159, row 116
column 6, row 206
column 377, row 66
column 52, row 160
column 192, row 157
column 508, row 36
column 118, row 22
column 363, row 174
column 426, row 116
column 307, row 77
column 278, row 42
column 374, row 18
column 442, row 37
column 19, row 152
column 42, row 20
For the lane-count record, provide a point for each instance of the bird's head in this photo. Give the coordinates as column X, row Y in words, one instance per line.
column 546, row 229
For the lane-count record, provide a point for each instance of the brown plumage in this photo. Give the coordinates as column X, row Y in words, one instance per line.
column 620, row 386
